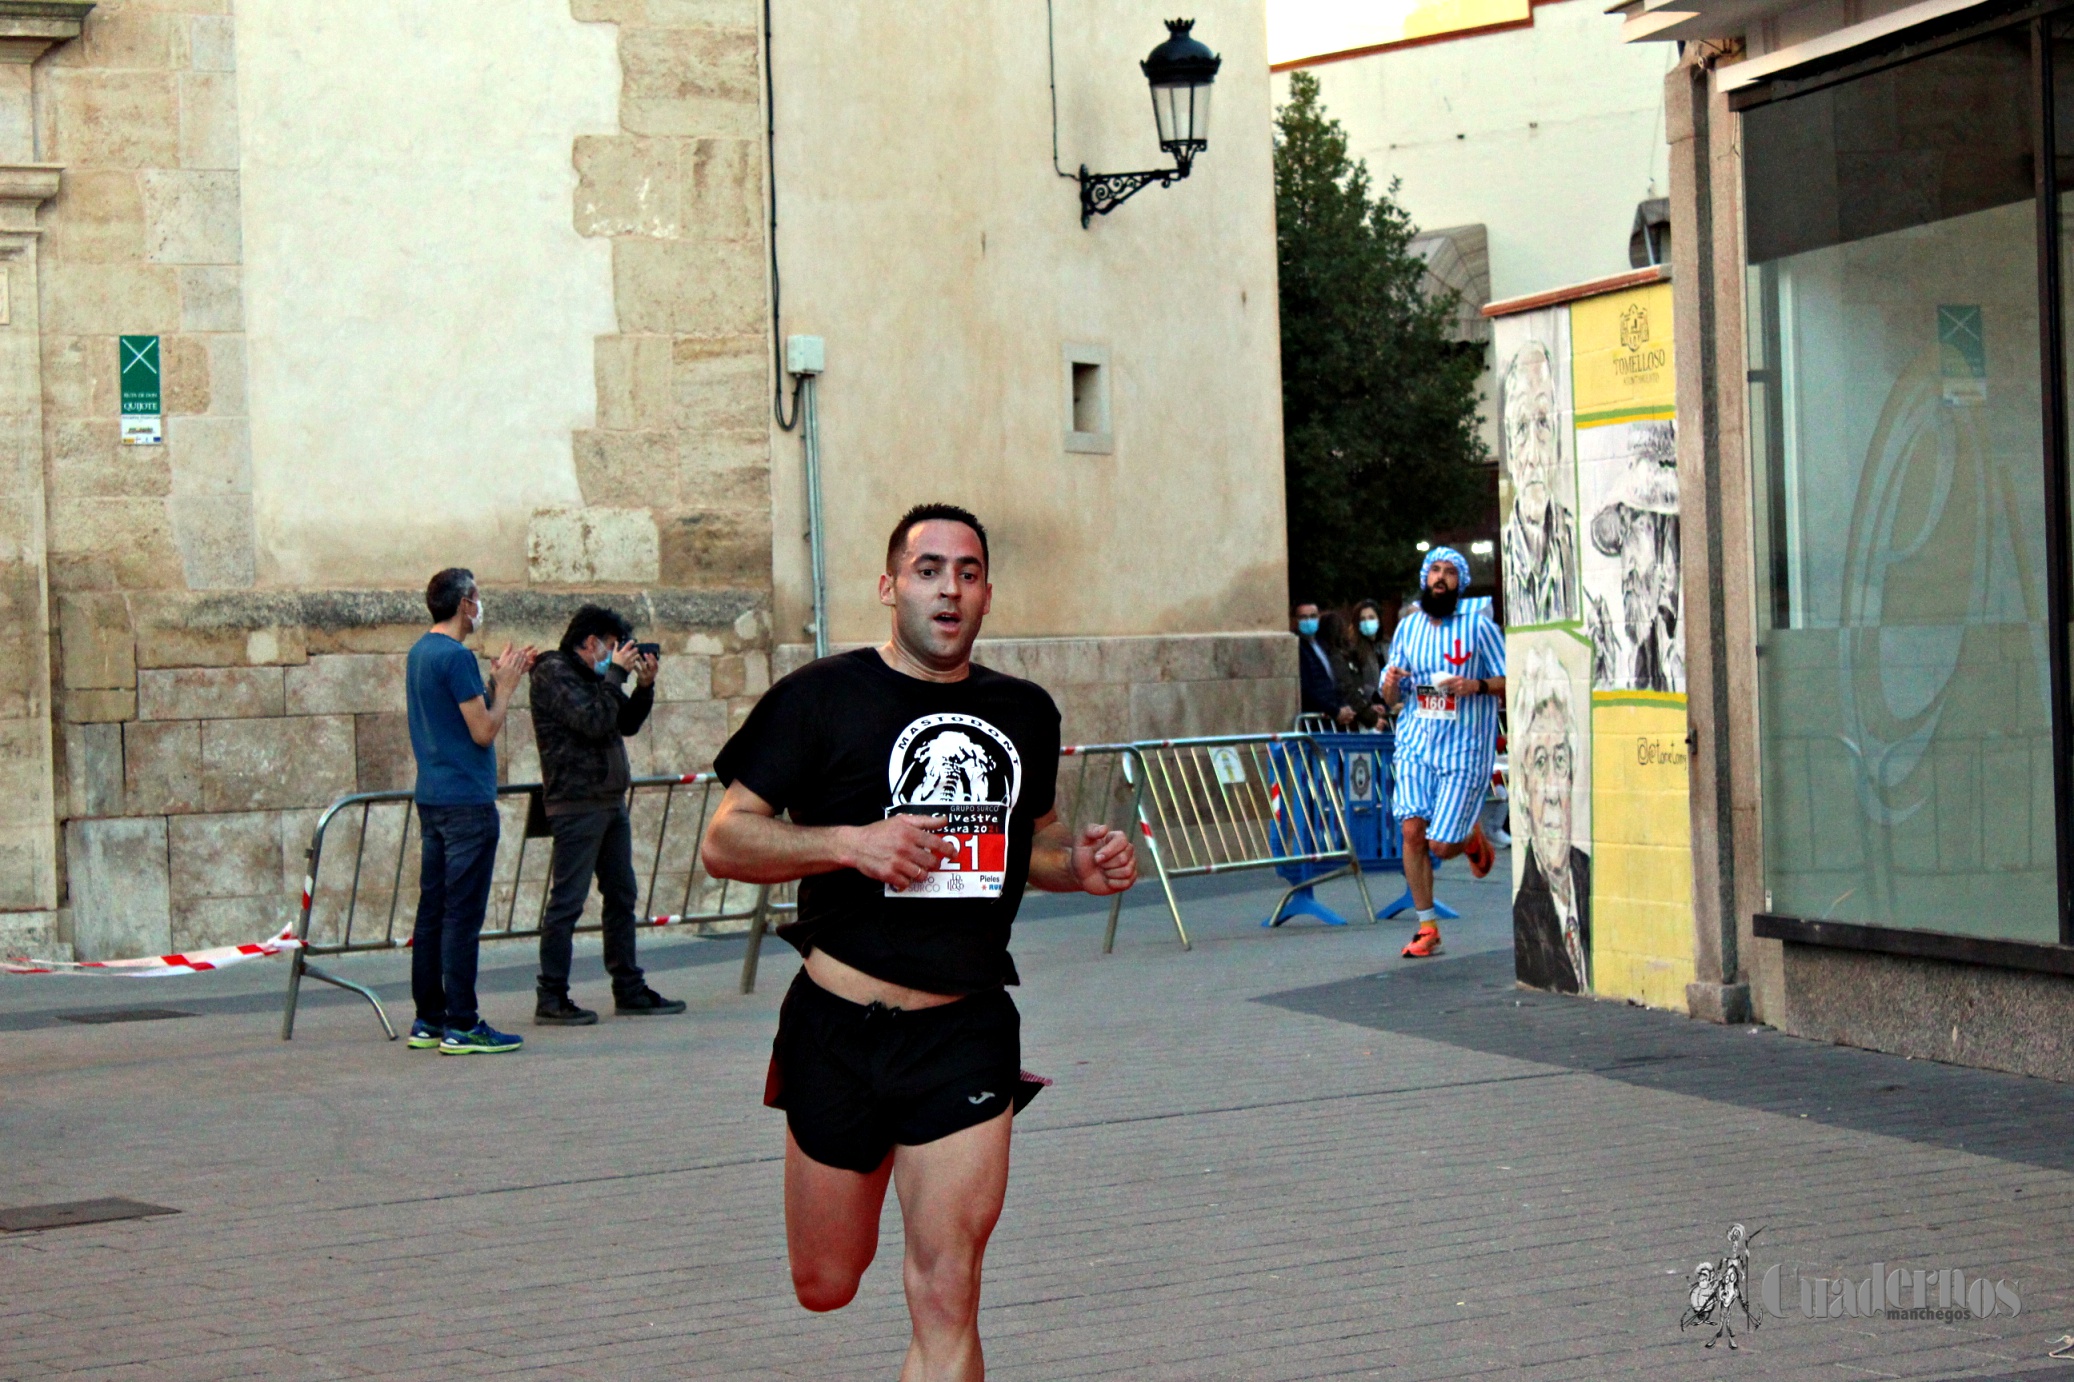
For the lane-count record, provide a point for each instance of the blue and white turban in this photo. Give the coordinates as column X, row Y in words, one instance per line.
column 1446, row 554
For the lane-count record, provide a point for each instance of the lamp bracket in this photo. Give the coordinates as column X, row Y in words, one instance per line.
column 1102, row 193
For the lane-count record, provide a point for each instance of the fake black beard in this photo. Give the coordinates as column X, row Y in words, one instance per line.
column 1439, row 602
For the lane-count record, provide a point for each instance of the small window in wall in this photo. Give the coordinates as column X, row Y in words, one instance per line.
column 1087, row 399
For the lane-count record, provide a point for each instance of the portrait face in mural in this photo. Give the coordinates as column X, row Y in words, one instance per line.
column 1640, row 648
column 1546, row 764
column 1551, row 912
column 1540, row 555
column 1530, row 424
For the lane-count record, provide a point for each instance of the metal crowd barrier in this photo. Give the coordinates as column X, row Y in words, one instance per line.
column 1224, row 803
column 361, row 912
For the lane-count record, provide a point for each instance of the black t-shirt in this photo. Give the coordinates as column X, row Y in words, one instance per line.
column 848, row 740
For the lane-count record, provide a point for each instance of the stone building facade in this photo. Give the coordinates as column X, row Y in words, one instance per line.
column 1872, row 461
column 490, row 285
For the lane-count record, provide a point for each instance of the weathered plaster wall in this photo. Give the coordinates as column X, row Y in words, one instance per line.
column 144, row 237
column 924, row 234
column 514, row 322
column 416, row 393
column 675, row 476
column 500, row 270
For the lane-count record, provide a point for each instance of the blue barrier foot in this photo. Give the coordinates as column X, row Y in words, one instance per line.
column 1302, row 902
column 1403, row 904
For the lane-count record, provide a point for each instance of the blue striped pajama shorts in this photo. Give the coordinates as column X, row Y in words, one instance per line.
column 1447, row 799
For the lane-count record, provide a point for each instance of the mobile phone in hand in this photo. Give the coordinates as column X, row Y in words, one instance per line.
column 649, row 649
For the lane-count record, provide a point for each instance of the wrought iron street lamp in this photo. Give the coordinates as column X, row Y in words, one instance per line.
column 1180, row 72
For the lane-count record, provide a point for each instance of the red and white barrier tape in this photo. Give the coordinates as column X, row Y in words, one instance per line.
column 157, row 966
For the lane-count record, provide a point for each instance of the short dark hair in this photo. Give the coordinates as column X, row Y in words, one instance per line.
column 446, row 590
column 595, row 621
column 929, row 513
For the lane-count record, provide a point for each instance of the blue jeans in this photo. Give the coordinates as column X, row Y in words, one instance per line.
column 453, row 889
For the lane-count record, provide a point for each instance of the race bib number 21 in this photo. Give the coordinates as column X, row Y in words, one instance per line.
column 979, row 869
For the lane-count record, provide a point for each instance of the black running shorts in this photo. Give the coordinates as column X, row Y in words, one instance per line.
column 856, row 1079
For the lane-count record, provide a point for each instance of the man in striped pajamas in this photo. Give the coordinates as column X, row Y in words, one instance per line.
column 1447, row 669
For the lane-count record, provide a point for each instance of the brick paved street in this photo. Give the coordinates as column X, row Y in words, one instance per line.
column 1285, row 1155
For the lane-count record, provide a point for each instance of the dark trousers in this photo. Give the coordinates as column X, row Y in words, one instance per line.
column 453, row 889
column 591, row 844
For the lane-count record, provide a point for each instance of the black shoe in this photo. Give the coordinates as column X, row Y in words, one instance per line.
column 555, row 1010
column 646, row 1003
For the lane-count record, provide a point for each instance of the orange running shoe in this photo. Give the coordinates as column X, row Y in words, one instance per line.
column 1426, row 943
column 1477, row 850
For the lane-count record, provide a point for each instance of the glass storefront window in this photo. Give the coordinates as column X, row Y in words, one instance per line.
column 1904, row 683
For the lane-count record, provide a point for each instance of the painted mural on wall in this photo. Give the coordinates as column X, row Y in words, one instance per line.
column 1548, row 697
column 1534, row 442
column 1628, row 472
column 1627, row 480
column 1595, row 640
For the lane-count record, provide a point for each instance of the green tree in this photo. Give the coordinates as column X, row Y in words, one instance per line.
column 1380, row 444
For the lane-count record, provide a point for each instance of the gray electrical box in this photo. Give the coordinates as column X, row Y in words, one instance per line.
column 804, row 355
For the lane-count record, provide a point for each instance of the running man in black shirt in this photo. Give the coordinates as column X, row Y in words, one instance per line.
column 920, row 788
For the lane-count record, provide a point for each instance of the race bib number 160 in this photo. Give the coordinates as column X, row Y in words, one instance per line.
column 979, row 868
column 1433, row 704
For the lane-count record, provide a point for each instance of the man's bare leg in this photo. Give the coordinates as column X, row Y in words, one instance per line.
column 1419, row 854
column 950, row 1198
column 831, row 1226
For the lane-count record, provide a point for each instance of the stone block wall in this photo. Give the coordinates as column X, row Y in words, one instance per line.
column 188, row 813
column 184, row 710
column 193, row 725
column 676, row 473
column 143, row 237
column 1153, row 687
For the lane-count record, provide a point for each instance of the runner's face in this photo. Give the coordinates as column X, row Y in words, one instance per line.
column 1443, row 576
column 939, row 594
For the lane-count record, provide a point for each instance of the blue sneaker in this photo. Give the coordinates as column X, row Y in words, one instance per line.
column 424, row 1036
column 480, row 1040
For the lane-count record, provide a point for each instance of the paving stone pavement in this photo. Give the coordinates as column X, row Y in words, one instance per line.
column 1286, row 1154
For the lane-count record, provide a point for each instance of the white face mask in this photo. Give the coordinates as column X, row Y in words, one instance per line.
column 482, row 613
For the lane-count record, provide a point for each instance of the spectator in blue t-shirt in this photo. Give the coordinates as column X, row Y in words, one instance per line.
column 453, row 725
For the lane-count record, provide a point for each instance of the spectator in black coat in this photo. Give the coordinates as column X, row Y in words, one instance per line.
column 1317, row 668
column 581, row 715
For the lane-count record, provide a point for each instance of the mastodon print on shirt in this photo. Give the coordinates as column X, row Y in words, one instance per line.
column 968, row 773
column 1448, row 732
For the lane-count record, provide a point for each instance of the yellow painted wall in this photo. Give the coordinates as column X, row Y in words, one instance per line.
column 1623, row 371
column 1621, row 359
column 1642, row 848
column 1623, row 401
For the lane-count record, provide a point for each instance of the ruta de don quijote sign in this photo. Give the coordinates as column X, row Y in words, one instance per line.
column 143, row 390
column 1588, row 429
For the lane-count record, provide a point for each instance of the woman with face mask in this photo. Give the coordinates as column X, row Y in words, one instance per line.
column 1335, row 635
column 1367, row 649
